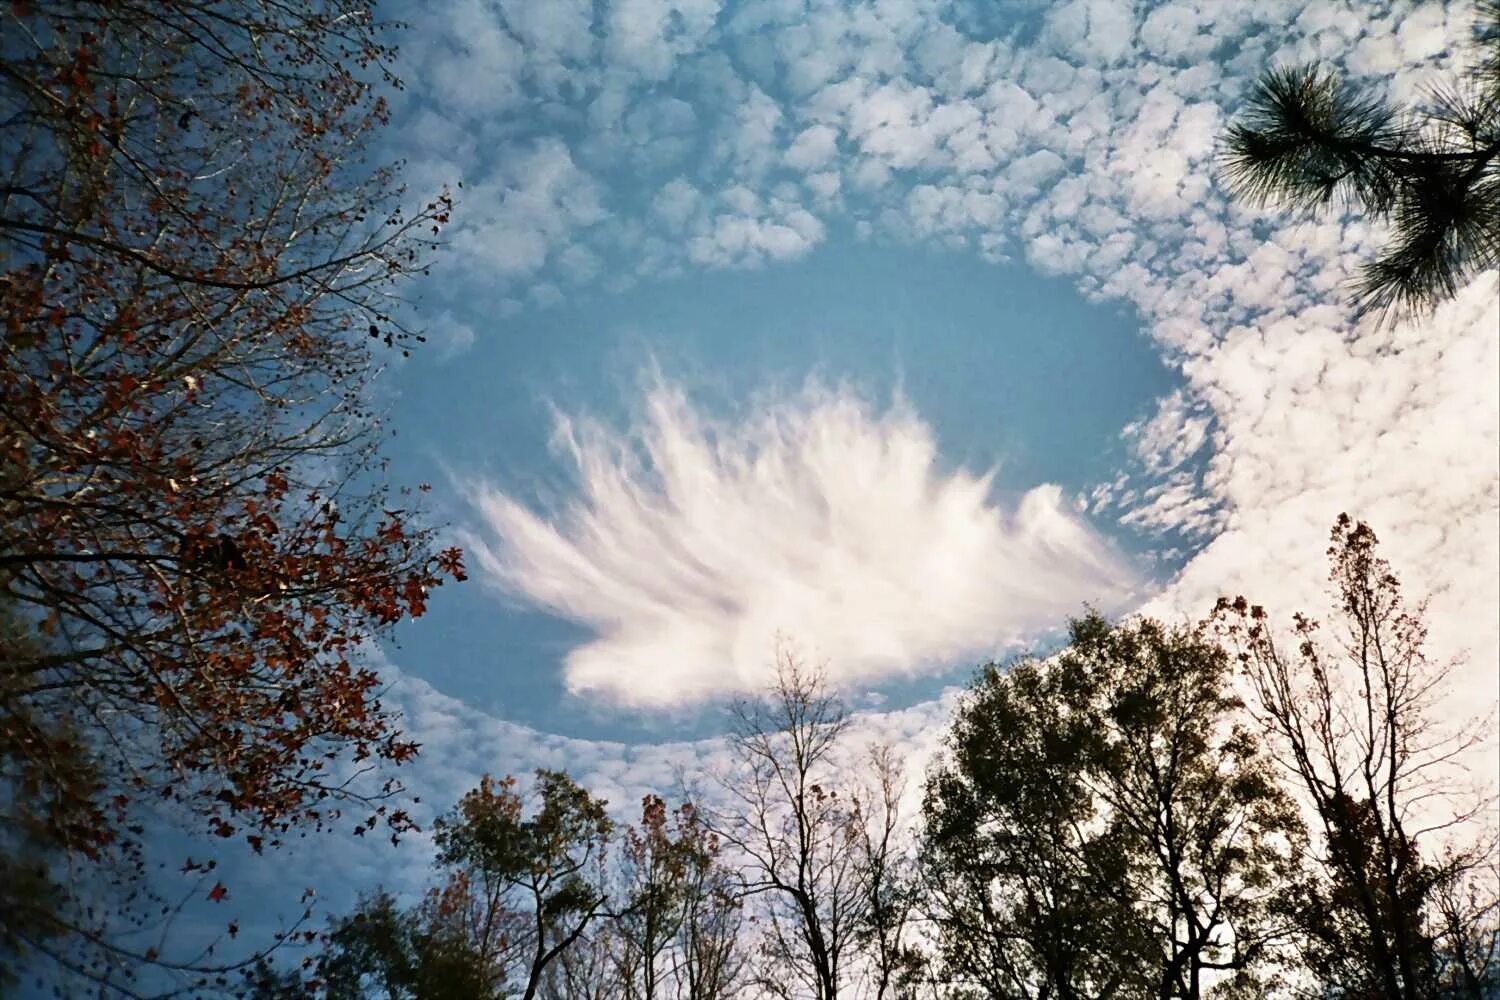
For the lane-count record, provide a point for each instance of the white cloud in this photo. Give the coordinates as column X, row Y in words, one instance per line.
column 825, row 186
column 580, row 263
column 557, row 28
column 677, row 202
column 470, row 64
column 510, row 222
column 1093, row 30
column 450, row 335
column 895, row 122
column 648, row 36
column 750, row 231
column 813, row 148
column 1175, row 433
column 1090, row 149
column 1177, row 31
column 1397, row 427
column 752, row 138
column 932, row 209
column 692, row 542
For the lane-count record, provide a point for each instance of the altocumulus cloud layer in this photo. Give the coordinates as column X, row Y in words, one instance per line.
column 692, row 543
column 623, row 141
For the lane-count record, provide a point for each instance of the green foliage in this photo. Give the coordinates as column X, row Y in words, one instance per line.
column 1214, row 841
column 383, row 950
column 1306, row 139
column 372, row 944
column 1028, row 899
column 554, row 855
column 517, row 890
column 1101, row 828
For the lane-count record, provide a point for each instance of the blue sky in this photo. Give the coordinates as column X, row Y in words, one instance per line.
column 901, row 328
column 697, row 240
column 1011, row 371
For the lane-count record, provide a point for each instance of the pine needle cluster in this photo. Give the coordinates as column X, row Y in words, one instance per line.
column 1308, row 140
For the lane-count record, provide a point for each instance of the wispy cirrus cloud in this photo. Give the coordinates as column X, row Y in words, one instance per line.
column 692, row 542
column 1078, row 137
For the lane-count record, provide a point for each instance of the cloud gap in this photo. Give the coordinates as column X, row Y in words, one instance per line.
column 691, row 541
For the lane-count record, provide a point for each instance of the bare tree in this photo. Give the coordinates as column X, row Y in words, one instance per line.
column 893, row 964
column 677, row 926
column 1355, row 727
column 817, row 836
column 795, row 836
column 708, row 961
column 1468, row 923
column 585, row 970
column 656, row 861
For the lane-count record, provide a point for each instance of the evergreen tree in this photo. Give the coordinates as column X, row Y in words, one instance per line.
column 1307, row 139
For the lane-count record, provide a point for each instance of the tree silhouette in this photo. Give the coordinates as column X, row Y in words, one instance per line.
column 796, row 830
column 1401, row 901
column 198, row 272
column 1307, row 139
column 675, row 934
column 548, row 866
column 1101, row 826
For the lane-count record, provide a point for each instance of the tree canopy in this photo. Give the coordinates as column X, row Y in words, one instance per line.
column 1402, row 899
column 1103, row 825
column 199, row 270
column 1180, row 812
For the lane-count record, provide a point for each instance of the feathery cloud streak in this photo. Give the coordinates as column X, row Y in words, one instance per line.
column 693, row 542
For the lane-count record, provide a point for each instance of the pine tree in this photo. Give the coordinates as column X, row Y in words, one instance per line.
column 1307, row 139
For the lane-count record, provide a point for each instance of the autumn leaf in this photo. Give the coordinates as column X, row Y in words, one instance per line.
column 186, row 572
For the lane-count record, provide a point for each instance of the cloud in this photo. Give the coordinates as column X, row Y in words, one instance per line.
column 451, row 335
column 739, row 239
column 750, row 141
column 648, row 36
column 469, row 63
column 1396, row 426
column 1081, row 142
column 676, row 203
column 556, row 29
column 813, row 148
column 692, row 542
column 511, row 222
column 1094, row 30
column 1175, row 433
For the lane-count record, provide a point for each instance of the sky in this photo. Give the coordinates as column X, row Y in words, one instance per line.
column 895, row 331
